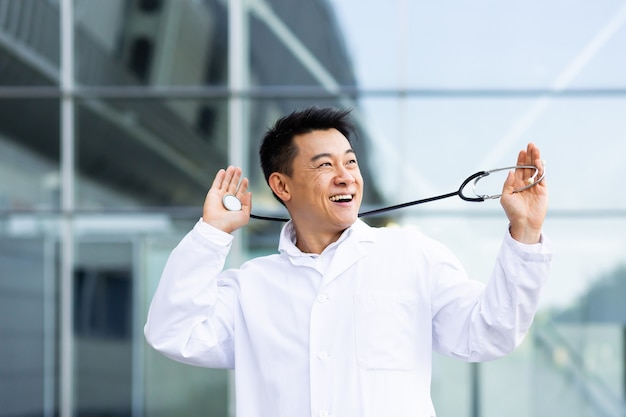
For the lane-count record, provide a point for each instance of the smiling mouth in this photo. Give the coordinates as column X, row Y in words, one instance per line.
column 341, row 198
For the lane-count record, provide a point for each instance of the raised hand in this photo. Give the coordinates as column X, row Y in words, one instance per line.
column 227, row 181
column 526, row 210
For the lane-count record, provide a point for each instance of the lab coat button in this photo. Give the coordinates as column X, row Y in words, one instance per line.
column 322, row 298
column 323, row 355
column 324, row 413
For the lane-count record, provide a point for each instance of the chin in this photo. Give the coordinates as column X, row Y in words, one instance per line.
column 349, row 220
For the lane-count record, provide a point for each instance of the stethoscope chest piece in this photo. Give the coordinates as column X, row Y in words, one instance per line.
column 231, row 202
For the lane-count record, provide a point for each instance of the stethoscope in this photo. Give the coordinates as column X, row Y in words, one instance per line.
column 232, row 203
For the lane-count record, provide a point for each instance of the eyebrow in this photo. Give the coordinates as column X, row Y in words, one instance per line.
column 328, row 155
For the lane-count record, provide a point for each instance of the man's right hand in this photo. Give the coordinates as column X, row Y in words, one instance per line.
column 214, row 213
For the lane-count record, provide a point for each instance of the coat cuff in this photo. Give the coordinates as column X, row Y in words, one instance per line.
column 544, row 247
column 207, row 234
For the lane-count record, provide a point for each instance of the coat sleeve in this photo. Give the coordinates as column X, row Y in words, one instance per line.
column 477, row 322
column 190, row 318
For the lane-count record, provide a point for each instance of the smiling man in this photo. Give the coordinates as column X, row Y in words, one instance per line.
column 344, row 319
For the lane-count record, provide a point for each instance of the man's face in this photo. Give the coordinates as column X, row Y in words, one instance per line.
column 326, row 185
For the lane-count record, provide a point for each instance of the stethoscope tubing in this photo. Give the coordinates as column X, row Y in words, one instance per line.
column 476, row 177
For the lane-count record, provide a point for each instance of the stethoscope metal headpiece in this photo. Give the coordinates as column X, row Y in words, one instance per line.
column 531, row 182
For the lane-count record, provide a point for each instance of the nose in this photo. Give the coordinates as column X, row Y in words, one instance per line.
column 344, row 176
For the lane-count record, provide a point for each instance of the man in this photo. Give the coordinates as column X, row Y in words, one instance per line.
column 344, row 319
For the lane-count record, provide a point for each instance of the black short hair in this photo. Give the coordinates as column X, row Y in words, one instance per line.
column 278, row 149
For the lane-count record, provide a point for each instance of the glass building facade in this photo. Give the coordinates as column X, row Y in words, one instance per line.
column 115, row 116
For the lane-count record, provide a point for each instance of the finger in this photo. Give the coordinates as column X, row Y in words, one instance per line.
column 219, row 178
column 539, row 164
column 509, row 183
column 243, row 187
column 529, row 154
column 521, row 160
column 234, row 182
column 533, row 152
column 246, row 202
column 536, row 160
column 534, row 157
column 528, row 157
column 529, row 160
column 231, row 180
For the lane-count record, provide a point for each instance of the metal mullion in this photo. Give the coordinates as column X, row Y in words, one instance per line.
column 50, row 327
column 66, row 365
column 238, row 131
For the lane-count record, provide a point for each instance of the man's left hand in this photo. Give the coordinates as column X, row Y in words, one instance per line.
column 526, row 210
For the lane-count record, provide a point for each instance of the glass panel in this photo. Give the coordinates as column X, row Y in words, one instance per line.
column 298, row 44
column 428, row 146
column 451, row 44
column 27, row 320
column 156, row 43
column 142, row 153
column 579, row 367
column 29, row 43
column 103, row 303
column 29, row 154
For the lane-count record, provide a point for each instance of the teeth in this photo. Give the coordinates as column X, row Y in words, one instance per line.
column 341, row 197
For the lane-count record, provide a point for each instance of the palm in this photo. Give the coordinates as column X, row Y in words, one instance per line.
column 214, row 212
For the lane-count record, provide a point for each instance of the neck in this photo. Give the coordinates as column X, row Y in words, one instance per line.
column 315, row 242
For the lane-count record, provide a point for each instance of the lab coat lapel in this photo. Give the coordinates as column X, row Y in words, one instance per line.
column 349, row 251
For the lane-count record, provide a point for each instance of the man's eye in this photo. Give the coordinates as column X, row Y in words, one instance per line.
column 325, row 164
column 352, row 162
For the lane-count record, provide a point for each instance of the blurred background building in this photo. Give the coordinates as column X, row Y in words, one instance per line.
column 115, row 115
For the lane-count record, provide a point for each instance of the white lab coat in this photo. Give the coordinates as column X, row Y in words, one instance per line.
column 347, row 333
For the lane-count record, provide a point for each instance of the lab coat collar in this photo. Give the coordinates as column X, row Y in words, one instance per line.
column 348, row 248
column 287, row 243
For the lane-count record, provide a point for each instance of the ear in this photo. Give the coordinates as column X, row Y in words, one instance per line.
column 279, row 186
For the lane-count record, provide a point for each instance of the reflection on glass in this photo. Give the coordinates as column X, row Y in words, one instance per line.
column 298, row 44
column 449, row 45
column 29, row 154
column 135, row 153
column 29, row 30
column 27, row 327
column 154, row 43
column 103, row 280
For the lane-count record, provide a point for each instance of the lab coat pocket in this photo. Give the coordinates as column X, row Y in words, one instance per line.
column 386, row 330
